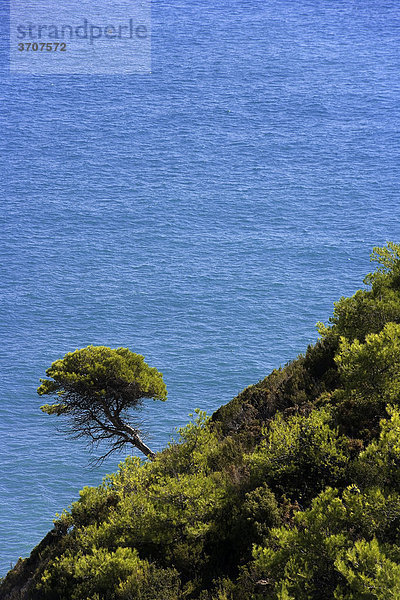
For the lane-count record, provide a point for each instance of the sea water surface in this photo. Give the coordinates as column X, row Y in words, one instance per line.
column 206, row 216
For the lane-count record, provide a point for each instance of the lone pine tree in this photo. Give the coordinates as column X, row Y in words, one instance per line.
column 95, row 388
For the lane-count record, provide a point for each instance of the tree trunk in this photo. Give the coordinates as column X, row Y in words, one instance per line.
column 131, row 435
column 143, row 448
column 135, row 439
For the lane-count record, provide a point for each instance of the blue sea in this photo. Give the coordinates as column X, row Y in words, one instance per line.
column 205, row 215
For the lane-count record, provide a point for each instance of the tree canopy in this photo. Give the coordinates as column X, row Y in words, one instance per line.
column 94, row 389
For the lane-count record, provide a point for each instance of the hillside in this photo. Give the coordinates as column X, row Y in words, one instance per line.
column 289, row 492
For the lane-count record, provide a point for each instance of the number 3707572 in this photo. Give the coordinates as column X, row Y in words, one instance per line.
column 42, row 46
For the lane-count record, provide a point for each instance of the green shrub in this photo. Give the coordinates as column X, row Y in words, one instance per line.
column 370, row 378
column 370, row 309
column 369, row 574
column 379, row 464
column 106, row 575
column 300, row 456
column 316, row 558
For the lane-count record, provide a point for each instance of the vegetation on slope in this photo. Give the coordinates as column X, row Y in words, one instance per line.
column 289, row 492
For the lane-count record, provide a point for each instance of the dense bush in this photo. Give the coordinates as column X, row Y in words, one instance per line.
column 300, row 455
column 336, row 549
column 99, row 573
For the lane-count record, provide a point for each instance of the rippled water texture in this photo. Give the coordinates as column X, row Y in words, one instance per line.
column 206, row 215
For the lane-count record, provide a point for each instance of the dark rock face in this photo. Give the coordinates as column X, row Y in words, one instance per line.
column 20, row 581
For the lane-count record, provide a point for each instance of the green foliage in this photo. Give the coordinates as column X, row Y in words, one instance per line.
column 318, row 554
column 379, row 464
column 195, row 448
column 370, row 378
column 372, row 369
column 165, row 509
column 260, row 511
column 225, row 590
column 105, row 575
column 366, row 312
column 243, row 519
column 369, row 574
column 300, row 455
column 370, row 309
column 172, row 521
column 101, row 373
column 388, row 272
column 93, row 506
